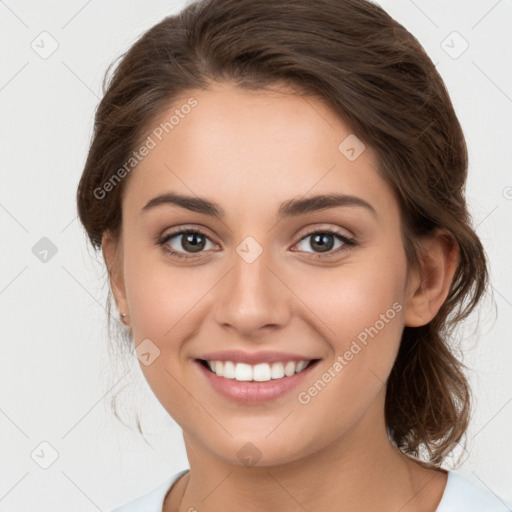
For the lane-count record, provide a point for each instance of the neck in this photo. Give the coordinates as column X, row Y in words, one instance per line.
column 357, row 472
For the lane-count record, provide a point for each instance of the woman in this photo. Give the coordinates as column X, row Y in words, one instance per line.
column 277, row 188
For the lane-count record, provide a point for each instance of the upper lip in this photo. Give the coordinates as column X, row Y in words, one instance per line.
column 239, row 356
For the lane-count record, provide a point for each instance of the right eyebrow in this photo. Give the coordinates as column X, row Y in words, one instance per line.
column 195, row 204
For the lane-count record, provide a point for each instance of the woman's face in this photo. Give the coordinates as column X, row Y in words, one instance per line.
column 256, row 286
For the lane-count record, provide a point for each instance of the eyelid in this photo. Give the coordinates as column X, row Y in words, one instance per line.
column 325, row 228
column 183, row 229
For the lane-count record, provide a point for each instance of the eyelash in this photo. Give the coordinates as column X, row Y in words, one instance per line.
column 348, row 243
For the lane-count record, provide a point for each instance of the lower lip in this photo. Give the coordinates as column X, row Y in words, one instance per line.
column 251, row 391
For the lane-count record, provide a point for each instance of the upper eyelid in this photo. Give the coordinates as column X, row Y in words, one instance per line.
column 301, row 235
column 311, row 231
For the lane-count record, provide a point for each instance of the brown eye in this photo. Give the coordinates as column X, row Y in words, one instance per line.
column 324, row 242
column 185, row 242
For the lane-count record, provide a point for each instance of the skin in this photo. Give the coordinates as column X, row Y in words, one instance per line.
column 249, row 151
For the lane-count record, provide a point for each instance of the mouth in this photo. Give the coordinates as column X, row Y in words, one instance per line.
column 256, row 383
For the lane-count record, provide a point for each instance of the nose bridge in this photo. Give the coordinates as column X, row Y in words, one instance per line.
column 252, row 297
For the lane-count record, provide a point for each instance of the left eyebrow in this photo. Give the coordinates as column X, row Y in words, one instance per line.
column 290, row 208
column 296, row 207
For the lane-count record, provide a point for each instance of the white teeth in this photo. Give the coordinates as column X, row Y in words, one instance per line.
column 300, row 366
column 243, row 371
column 277, row 371
column 228, row 371
column 219, row 368
column 289, row 369
column 262, row 372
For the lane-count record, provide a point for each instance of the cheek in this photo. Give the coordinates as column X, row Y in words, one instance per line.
column 364, row 313
column 362, row 307
column 353, row 298
column 159, row 295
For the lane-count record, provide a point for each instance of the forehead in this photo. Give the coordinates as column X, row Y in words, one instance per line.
column 261, row 147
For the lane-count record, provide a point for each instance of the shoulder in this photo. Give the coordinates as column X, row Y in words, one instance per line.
column 463, row 495
column 152, row 501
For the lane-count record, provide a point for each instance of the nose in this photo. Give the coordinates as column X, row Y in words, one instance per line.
column 252, row 298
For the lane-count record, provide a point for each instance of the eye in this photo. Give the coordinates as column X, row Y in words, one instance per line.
column 189, row 241
column 323, row 241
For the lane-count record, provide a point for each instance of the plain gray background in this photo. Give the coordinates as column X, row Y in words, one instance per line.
column 56, row 374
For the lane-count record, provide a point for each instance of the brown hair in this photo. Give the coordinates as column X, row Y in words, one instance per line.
column 377, row 77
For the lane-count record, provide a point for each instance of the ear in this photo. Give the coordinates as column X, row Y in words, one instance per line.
column 429, row 287
column 113, row 257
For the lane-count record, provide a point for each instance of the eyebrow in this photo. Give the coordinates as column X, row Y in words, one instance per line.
column 290, row 208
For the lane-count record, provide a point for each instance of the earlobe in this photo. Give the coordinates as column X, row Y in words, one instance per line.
column 113, row 261
column 429, row 288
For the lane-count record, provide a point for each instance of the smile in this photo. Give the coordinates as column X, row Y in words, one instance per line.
column 254, row 383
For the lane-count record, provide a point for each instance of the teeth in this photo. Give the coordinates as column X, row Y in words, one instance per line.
column 262, row 372
column 243, row 371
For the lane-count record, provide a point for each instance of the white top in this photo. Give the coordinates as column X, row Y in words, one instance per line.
column 460, row 495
